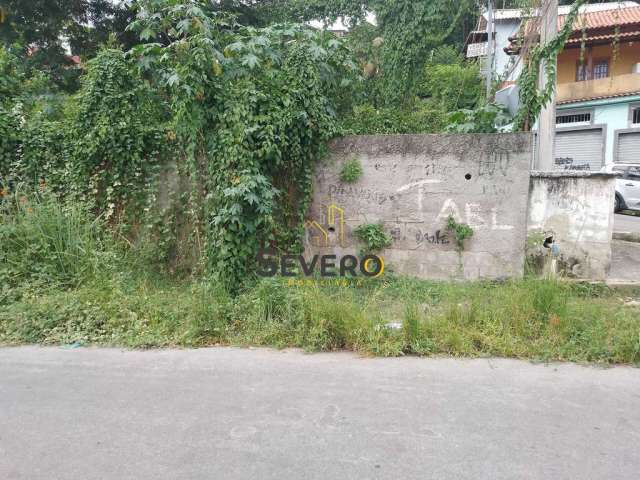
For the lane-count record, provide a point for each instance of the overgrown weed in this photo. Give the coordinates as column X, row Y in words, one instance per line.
column 66, row 279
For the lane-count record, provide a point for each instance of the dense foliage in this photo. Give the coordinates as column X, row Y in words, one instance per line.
column 533, row 98
column 117, row 135
column 421, row 118
column 488, row 118
column 411, row 30
column 235, row 106
column 45, row 34
column 10, row 84
column 228, row 110
column 249, row 110
column 451, row 82
column 253, row 109
column 102, row 149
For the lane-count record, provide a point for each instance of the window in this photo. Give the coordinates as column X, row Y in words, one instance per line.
column 634, row 172
column 581, row 73
column 583, row 118
column 635, row 116
column 601, row 69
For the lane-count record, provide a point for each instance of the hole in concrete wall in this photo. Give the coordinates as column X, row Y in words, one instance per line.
column 468, row 176
column 332, row 229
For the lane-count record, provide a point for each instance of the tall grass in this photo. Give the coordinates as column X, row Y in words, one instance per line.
column 98, row 293
column 532, row 319
column 45, row 240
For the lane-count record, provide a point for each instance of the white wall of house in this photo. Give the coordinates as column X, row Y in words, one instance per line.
column 503, row 62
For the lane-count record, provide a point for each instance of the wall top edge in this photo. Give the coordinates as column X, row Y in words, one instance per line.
column 572, row 174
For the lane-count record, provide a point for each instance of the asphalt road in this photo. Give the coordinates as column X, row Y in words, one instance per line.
column 626, row 223
column 226, row 413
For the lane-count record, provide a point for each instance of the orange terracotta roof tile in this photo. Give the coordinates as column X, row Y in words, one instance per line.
column 604, row 19
column 607, row 36
column 601, row 97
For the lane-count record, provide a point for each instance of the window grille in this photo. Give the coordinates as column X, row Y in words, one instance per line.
column 573, row 118
column 601, row 69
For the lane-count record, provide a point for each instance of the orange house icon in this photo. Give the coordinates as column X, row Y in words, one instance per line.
column 320, row 233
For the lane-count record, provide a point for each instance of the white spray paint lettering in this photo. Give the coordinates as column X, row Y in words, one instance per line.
column 473, row 214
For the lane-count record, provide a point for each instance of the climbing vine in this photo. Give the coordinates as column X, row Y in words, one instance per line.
column 10, row 112
column 252, row 112
column 532, row 99
column 116, row 137
column 411, row 30
column 103, row 149
column 616, row 38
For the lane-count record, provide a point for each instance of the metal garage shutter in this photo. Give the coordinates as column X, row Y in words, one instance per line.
column 628, row 150
column 579, row 150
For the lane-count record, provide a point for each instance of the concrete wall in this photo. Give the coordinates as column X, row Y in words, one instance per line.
column 576, row 209
column 411, row 184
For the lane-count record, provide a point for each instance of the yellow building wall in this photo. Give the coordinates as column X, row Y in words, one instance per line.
column 567, row 61
column 628, row 55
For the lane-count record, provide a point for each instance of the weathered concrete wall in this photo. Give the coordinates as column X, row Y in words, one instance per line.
column 576, row 209
column 412, row 183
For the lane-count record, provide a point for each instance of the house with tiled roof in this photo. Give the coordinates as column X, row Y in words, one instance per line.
column 598, row 90
column 598, row 84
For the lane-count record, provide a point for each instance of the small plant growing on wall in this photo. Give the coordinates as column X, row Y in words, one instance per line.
column 460, row 231
column 373, row 236
column 351, row 171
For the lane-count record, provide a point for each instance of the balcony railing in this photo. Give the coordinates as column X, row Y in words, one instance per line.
column 602, row 87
